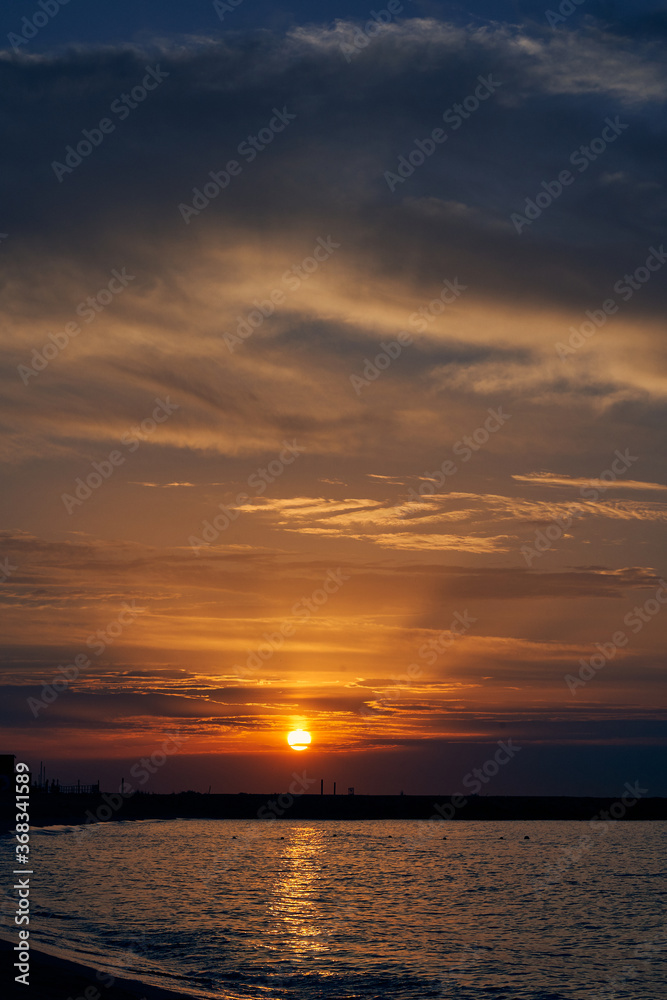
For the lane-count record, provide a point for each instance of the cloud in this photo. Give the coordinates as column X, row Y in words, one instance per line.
column 457, row 543
column 394, row 525
column 162, row 486
column 395, row 249
column 551, row 479
column 500, row 508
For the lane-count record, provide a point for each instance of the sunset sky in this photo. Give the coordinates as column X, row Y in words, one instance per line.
column 200, row 451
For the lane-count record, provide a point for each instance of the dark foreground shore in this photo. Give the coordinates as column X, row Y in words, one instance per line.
column 54, row 978
column 67, row 809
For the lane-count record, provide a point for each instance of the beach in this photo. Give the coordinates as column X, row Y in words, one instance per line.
column 53, row 978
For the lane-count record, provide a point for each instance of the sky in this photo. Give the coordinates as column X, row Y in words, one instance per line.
column 333, row 393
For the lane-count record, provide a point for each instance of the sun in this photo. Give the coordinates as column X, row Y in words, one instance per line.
column 299, row 739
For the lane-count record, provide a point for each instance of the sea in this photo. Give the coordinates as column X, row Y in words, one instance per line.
column 369, row 910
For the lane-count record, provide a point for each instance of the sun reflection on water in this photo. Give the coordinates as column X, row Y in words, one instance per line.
column 294, row 904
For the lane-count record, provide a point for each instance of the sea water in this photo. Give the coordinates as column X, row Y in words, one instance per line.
column 382, row 909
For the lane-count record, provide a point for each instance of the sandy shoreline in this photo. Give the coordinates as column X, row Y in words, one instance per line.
column 53, row 978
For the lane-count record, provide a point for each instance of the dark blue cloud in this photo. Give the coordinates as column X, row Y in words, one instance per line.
column 356, row 126
column 116, row 21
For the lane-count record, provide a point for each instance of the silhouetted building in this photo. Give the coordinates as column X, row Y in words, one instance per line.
column 7, row 764
column 6, row 773
column 77, row 789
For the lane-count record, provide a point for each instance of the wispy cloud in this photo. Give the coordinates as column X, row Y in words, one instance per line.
column 552, row 479
column 162, row 486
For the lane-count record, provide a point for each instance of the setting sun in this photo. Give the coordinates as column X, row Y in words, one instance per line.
column 299, row 739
